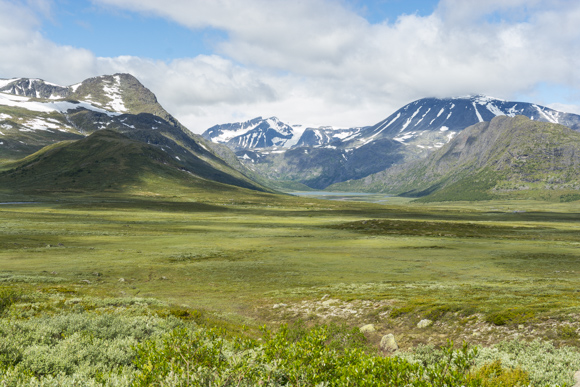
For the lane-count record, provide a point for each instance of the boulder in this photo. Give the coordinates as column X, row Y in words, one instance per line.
column 368, row 328
column 424, row 323
column 388, row 343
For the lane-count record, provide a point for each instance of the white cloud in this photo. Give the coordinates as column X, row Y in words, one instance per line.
column 318, row 62
column 565, row 108
column 25, row 53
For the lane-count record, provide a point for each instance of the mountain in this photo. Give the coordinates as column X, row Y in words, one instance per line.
column 319, row 157
column 319, row 167
column 432, row 122
column 252, row 134
column 508, row 157
column 298, row 157
column 106, row 162
column 35, row 114
column 263, row 133
column 325, row 137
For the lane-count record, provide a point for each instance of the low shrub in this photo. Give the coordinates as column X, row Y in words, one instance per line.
column 567, row 332
column 301, row 357
column 545, row 364
column 495, row 375
column 8, row 296
column 400, row 311
column 509, row 316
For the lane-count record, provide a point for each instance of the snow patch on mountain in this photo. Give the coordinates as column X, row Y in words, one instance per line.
column 40, row 124
column 47, row 107
column 512, row 111
column 75, row 87
column 405, row 137
column 390, row 123
column 547, row 115
column 494, row 109
column 477, row 112
column 24, row 103
column 227, row 135
column 427, row 112
column 410, row 119
column 113, row 92
column 6, row 82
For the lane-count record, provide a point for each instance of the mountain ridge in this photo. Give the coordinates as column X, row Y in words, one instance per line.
column 325, row 156
column 104, row 162
column 508, row 157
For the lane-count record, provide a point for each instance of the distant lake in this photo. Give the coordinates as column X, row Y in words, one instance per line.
column 344, row 196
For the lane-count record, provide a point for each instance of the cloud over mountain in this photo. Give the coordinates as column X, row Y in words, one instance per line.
column 320, row 62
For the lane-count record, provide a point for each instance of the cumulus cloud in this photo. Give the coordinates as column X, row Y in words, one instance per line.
column 499, row 47
column 26, row 53
column 319, row 62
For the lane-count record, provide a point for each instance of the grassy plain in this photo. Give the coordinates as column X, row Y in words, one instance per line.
column 483, row 272
column 238, row 257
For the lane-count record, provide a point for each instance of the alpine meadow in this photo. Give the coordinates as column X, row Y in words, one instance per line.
column 135, row 253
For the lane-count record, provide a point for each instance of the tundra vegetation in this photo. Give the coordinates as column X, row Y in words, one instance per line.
column 237, row 288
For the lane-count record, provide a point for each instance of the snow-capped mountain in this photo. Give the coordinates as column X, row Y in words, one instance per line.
column 262, row 133
column 505, row 158
column 325, row 136
column 252, row 134
column 35, row 114
column 428, row 123
column 432, row 122
column 321, row 156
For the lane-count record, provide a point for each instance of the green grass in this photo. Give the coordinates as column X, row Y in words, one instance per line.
column 236, row 256
column 235, row 253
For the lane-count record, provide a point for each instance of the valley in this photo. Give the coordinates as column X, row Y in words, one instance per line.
column 132, row 250
column 486, row 273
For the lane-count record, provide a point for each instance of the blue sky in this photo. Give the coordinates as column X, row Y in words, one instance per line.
column 313, row 62
column 110, row 32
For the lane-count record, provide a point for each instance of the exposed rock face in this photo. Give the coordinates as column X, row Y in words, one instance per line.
column 35, row 88
column 388, row 343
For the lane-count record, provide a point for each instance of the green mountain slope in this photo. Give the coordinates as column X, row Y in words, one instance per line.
column 505, row 158
column 107, row 161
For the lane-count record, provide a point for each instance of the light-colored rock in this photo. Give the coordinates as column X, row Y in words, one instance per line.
column 424, row 323
column 388, row 343
column 276, row 306
column 368, row 328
